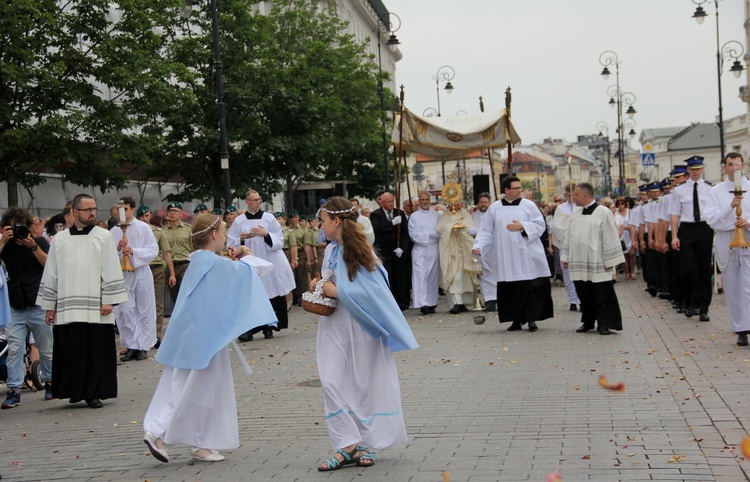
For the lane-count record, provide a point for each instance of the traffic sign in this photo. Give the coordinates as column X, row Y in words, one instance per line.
column 648, row 159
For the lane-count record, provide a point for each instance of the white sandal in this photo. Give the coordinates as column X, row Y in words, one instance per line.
column 214, row 456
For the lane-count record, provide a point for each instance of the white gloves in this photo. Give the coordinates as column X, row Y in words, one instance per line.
column 398, row 251
column 396, row 221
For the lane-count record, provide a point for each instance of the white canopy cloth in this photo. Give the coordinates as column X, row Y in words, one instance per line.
column 451, row 137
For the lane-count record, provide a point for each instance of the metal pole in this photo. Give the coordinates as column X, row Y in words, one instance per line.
column 382, row 110
column 718, row 74
column 224, row 153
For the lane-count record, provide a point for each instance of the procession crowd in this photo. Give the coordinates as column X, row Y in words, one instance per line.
column 73, row 282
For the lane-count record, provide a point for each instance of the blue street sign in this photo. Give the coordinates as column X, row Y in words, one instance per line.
column 648, row 159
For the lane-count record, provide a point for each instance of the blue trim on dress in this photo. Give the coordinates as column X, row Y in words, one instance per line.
column 369, row 420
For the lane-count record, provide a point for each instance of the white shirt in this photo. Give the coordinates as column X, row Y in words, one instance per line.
column 683, row 203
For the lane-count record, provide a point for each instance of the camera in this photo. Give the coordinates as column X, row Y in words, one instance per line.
column 20, row 231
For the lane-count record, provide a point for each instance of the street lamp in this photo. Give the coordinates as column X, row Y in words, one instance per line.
column 617, row 99
column 384, row 27
column 602, row 127
column 444, row 73
column 538, row 166
column 185, row 11
column 732, row 50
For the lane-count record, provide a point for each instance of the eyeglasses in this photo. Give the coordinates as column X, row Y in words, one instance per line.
column 87, row 210
column 248, row 199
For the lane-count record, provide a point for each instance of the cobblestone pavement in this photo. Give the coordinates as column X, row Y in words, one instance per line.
column 481, row 404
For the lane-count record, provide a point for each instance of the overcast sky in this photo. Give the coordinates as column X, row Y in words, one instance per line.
column 548, row 51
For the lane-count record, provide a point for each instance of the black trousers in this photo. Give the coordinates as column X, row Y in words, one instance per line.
column 399, row 278
column 599, row 303
column 85, row 361
column 696, row 243
column 676, row 288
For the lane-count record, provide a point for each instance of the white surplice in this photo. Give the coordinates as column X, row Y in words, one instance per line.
column 592, row 246
column 136, row 318
column 425, row 274
column 486, row 283
column 560, row 225
column 517, row 257
column 734, row 263
column 280, row 281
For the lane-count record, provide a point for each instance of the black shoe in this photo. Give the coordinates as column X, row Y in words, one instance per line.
column 129, row 355
column 573, row 307
column 441, row 292
column 651, row 291
column 680, row 308
column 267, row 334
column 584, row 329
column 425, row 310
column 515, row 326
column 141, row 355
column 689, row 312
column 665, row 296
column 458, row 309
column 532, row 326
column 157, row 344
column 742, row 339
column 605, row 331
column 704, row 317
column 94, row 403
column 245, row 337
column 490, row 306
column 432, row 309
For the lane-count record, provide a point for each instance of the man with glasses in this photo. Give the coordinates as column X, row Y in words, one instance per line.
column 82, row 281
column 177, row 233
column 24, row 254
column 259, row 231
column 512, row 230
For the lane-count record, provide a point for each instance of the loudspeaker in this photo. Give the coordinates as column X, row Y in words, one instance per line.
column 481, row 184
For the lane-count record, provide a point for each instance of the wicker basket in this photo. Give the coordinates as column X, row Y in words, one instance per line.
column 321, row 310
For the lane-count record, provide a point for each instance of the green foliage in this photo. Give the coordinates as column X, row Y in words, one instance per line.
column 83, row 84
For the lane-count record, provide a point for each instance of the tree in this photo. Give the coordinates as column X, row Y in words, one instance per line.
column 83, row 85
column 301, row 98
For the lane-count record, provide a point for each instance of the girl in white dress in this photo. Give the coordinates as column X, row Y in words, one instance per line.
column 355, row 360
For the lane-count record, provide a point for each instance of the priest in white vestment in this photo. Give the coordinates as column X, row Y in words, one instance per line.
column 136, row 318
column 560, row 224
column 512, row 229
column 425, row 271
column 82, row 280
column 591, row 252
column 259, row 231
column 487, row 283
column 459, row 269
column 720, row 213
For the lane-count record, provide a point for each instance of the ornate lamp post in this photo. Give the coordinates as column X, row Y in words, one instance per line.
column 384, row 27
column 602, row 127
column 218, row 67
column 731, row 50
column 618, row 99
column 444, row 73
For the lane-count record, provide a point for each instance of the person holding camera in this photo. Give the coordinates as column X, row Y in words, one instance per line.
column 24, row 256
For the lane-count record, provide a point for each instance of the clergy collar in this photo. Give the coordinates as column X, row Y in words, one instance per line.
column 257, row 215
column 515, row 202
column 589, row 204
column 74, row 231
column 590, row 208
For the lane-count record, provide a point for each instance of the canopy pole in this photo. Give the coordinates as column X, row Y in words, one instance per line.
column 507, row 128
column 489, row 155
column 398, row 155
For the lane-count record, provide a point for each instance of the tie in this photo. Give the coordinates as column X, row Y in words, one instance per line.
column 696, row 205
column 390, row 215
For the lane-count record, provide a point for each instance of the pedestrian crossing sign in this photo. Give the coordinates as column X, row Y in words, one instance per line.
column 648, row 159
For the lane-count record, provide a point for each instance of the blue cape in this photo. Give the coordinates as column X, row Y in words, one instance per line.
column 4, row 300
column 219, row 300
column 369, row 300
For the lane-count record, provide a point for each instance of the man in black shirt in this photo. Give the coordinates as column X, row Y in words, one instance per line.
column 24, row 256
